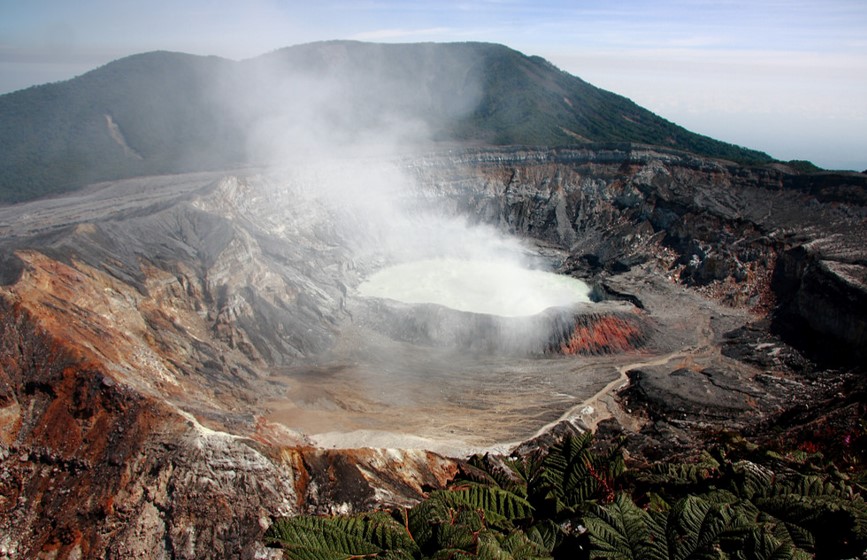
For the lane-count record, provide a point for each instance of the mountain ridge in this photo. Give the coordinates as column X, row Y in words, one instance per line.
column 166, row 112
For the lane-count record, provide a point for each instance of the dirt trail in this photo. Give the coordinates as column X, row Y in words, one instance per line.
column 603, row 405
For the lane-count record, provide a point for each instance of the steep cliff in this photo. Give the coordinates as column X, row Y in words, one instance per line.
column 761, row 237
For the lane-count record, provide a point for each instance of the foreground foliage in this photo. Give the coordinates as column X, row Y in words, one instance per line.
column 574, row 501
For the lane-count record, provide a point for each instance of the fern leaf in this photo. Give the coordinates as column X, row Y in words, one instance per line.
column 378, row 528
column 460, row 536
column 657, row 503
column 423, row 519
column 574, row 474
column 799, row 536
column 762, row 545
column 314, row 553
column 514, row 546
column 513, row 474
column 677, row 479
column 814, row 486
column 477, row 470
column 721, row 497
column 450, row 519
column 546, row 534
column 310, row 537
column 453, row 554
column 497, row 501
column 527, row 467
column 749, row 480
column 681, row 476
column 695, row 527
column 328, row 538
column 624, row 531
column 834, row 522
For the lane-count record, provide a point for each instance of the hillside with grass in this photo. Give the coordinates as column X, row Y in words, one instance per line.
column 162, row 112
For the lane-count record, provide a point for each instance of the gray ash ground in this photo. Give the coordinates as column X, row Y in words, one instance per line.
column 373, row 389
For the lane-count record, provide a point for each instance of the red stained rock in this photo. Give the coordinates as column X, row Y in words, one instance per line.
column 606, row 334
column 95, row 463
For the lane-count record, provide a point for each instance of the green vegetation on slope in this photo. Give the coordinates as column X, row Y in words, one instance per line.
column 168, row 112
column 573, row 501
column 529, row 101
column 57, row 137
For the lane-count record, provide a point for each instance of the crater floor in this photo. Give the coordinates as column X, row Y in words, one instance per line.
column 372, row 390
column 394, row 394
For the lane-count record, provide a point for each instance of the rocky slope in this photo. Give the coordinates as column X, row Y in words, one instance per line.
column 744, row 235
column 144, row 323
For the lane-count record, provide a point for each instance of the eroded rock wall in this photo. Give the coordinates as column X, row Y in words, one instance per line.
column 823, row 304
column 767, row 238
column 93, row 467
column 100, row 454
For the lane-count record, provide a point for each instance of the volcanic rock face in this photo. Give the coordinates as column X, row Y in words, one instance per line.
column 143, row 323
column 726, row 226
column 818, row 292
column 96, row 465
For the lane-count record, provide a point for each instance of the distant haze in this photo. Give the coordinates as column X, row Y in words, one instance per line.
column 785, row 77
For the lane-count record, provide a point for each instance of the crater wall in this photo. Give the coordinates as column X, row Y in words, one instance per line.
column 766, row 238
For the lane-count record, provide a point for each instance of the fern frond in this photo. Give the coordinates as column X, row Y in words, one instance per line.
column 425, row 517
column 624, row 531
column 514, row 546
column 800, row 537
column 749, row 480
column 515, row 474
column 722, row 497
column 527, row 467
column 574, row 475
column 832, row 521
column 479, row 469
column 657, row 503
column 453, row 518
column 678, row 477
column 762, row 545
column 814, row 486
column 316, row 553
column 546, row 534
column 460, row 535
column 695, row 526
column 498, row 505
column 308, row 538
column 379, row 529
column 453, row 554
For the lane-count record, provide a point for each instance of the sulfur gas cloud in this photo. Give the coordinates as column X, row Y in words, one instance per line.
column 339, row 135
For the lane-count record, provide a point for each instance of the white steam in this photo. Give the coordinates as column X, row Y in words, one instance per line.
column 335, row 120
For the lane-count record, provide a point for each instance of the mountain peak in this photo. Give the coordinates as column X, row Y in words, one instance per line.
column 183, row 112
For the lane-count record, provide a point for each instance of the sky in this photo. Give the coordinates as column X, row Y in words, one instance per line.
column 788, row 77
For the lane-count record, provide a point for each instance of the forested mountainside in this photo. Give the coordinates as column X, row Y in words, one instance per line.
column 163, row 112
